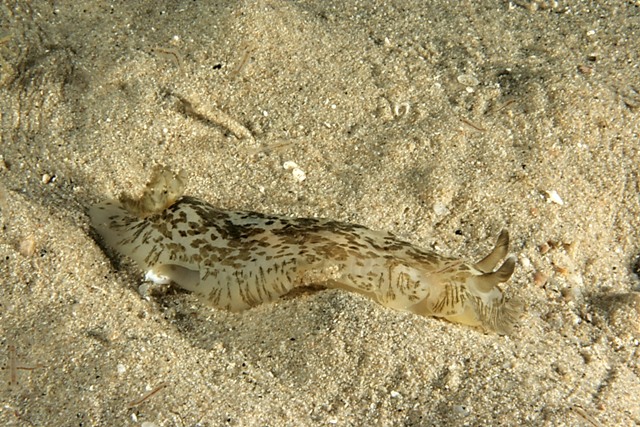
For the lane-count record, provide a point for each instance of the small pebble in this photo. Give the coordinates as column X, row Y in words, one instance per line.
column 540, row 279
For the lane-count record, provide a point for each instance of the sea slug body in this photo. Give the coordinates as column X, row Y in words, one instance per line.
column 235, row 260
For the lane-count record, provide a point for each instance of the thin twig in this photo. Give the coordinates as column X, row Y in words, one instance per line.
column 585, row 416
column 13, row 366
column 216, row 117
column 170, row 53
column 474, row 126
column 146, row 396
column 244, row 59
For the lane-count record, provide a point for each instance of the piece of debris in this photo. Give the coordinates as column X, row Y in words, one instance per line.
column 298, row 174
column 553, row 197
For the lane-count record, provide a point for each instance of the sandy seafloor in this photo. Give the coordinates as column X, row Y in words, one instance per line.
column 442, row 122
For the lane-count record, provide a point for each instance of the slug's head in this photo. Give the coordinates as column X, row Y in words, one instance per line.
column 489, row 305
column 469, row 294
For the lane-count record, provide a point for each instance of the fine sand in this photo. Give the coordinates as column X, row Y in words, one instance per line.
column 442, row 122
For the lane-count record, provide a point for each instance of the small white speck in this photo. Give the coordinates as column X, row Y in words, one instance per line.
column 525, row 262
column 288, row 165
column 440, row 209
column 265, row 113
column 121, row 368
column 462, row 410
column 299, row 174
column 395, row 394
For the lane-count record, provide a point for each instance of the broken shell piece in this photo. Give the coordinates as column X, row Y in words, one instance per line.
column 553, row 197
column 288, row 165
column 298, row 174
column 544, row 248
column 468, row 80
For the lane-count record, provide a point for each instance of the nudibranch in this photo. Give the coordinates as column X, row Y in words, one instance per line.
column 235, row 260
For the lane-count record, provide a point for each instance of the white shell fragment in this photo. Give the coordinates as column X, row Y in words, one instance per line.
column 554, row 197
column 298, row 174
column 401, row 109
column 288, row 165
column 468, row 80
